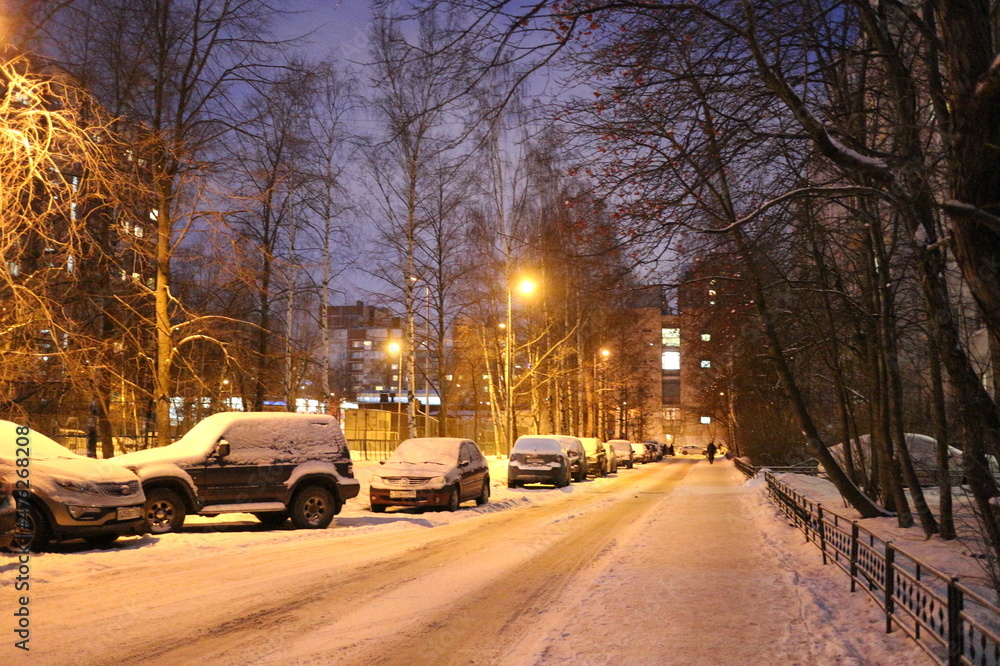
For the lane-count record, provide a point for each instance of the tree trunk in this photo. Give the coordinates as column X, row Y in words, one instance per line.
column 939, row 414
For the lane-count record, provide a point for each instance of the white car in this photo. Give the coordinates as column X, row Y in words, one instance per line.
column 639, row 452
column 691, row 450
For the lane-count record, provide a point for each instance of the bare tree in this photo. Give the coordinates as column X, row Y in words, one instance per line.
column 176, row 69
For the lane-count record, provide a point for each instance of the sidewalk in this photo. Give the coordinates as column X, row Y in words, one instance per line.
column 713, row 576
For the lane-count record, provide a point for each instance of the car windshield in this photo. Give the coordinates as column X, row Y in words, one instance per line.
column 40, row 447
column 434, row 450
column 536, row 445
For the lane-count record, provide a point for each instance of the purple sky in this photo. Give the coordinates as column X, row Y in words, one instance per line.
column 338, row 27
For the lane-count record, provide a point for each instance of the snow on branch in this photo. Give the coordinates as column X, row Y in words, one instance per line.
column 974, row 213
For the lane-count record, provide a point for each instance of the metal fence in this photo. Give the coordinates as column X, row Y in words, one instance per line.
column 750, row 470
column 951, row 622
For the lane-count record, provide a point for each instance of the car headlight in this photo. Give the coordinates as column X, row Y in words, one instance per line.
column 438, row 481
column 376, row 479
column 78, row 486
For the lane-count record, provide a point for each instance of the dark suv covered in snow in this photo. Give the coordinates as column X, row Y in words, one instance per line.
column 273, row 465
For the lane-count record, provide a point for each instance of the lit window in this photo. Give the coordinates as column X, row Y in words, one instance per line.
column 705, row 363
column 705, row 420
column 711, row 292
column 395, row 378
column 447, row 377
column 706, row 337
column 671, row 337
column 368, row 344
column 154, row 215
column 70, row 263
column 671, row 360
column 378, row 388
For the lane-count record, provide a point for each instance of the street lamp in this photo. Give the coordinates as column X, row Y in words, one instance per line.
column 396, row 348
column 526, row 286
column 602, row 355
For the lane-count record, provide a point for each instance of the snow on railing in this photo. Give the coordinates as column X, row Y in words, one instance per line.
column 744, row 465
column 951, row 622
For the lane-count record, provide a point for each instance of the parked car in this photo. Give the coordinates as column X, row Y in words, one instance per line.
column 611, row 459
column 538, row 459
column 596, row 459
column 639, row 454
column 67, row 496
column 691, row 450
column 576, row 454
column 654, row 450
column 274, row 465
column 623, row 452
column 431, row 472
column 8, row 513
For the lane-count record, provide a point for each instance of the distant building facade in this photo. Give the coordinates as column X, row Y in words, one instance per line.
column 364, row 368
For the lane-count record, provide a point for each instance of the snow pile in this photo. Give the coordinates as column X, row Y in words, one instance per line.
column 955, row 557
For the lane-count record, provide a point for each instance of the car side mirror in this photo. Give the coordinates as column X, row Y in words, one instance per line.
column 464, row 463
column 223, row 450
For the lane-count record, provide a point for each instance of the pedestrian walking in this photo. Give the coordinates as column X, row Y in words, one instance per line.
column 710, row 452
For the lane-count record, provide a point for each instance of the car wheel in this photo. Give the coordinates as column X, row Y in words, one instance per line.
column 581, row 474
column 511, row 484
column 313, row 508
column 484, row 496
column 631, row 464
column 564, row 481
column 164, row 511
column 378, row 508
column 453, row 500
column 33, row 532
column 101, row 541
column 272, row 518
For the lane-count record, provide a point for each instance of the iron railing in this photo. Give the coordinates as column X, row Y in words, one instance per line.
column 750, row 470
column 951, row 622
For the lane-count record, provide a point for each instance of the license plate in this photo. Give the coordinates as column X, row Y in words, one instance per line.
column 129, row 512
column 534, row 461
column 402, row 494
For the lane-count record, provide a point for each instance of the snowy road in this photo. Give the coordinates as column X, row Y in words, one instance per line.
column 636, row 569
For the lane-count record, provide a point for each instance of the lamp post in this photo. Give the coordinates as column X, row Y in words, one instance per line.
column 526, row 286
column 396, row 348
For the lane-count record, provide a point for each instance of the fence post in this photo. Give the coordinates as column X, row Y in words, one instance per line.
column 854, row 555
column 956, row 641
column 822, row 531
column 890, row 584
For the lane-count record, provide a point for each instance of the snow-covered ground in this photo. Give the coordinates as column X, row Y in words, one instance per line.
column 673, row 562
column 961, row 557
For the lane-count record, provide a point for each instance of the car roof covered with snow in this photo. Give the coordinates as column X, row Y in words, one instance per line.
column 255, row 437
column 538, row 444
